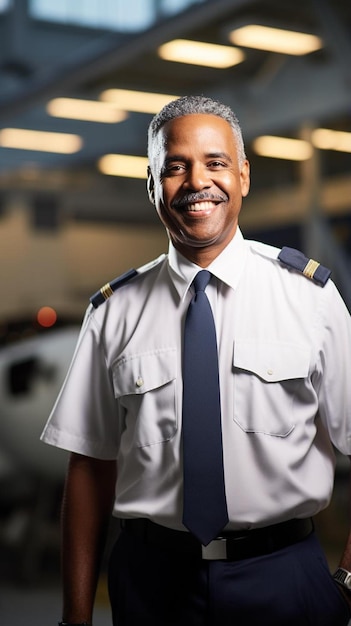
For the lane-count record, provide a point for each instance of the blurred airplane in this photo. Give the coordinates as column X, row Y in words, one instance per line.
column 31, row 374
column 32, row 371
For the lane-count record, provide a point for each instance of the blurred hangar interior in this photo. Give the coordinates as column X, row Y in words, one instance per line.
column 79, row 83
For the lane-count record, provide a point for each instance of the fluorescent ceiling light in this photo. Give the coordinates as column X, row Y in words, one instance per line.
column 140, row 101
column 282, row 148
column 275, row 39
column 200, row 53
column 86, row 110
column 123, row 165
column 41, row 141
column 326, row 139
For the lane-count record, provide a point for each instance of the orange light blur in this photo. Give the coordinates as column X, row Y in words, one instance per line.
column 46, row 316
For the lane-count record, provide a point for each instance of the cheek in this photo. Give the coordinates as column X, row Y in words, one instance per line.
column 227, row 181
column 166, row 192
column 163, row 212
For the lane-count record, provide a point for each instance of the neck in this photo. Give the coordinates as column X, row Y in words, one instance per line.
column 202, row 257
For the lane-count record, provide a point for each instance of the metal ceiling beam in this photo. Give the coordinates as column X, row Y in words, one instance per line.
column 302, row 92
column 111, row 54
column 334, row 33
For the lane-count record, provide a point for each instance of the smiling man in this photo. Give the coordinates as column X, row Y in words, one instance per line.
column 197, row 180
column 202, row 405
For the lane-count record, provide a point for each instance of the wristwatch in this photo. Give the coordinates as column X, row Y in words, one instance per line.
column 343, row 577
column 71, row 624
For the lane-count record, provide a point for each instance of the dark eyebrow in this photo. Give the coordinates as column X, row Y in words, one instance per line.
column 174, row 157
column 219, row 155
column 210, row 155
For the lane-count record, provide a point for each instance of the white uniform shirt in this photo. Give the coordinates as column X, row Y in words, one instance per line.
column 285, row 361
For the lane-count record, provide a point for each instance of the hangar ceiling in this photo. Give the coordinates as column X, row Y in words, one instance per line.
column 271, row 93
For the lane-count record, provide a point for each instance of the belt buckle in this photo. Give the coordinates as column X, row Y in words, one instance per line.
column 215, row 550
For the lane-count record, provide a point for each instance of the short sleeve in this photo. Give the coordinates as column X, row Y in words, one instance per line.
column 85, row 416
column 335, row 363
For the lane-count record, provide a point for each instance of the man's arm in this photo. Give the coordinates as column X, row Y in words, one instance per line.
column 345, row 561
column 86, row 510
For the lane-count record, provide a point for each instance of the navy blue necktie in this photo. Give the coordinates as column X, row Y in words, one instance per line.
column 205, row 509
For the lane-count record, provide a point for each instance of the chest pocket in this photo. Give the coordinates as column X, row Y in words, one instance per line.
column 268, row 380
column 145, row 386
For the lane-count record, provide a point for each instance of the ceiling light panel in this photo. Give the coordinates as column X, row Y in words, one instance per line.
column 85, row 110
column 282, row 148
column 327, row 139
column 200, row 53
column 139, row 101
column 275, row 39
column 23, row 139
column 123, row 165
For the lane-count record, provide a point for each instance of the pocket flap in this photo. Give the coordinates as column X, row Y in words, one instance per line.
column 272, row 361
column 139, row 373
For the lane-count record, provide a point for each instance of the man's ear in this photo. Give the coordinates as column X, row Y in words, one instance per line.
column 245, row 178
column 150, row 186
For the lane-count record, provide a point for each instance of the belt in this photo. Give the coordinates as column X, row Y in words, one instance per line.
column 231, row 545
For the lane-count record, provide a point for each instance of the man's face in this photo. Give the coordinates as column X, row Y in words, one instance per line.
column 198, row 185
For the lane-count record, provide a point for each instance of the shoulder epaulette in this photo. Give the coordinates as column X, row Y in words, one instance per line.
column 107, row 290
column 310, row 268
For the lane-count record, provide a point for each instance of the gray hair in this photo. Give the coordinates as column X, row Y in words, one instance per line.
column 189, row 105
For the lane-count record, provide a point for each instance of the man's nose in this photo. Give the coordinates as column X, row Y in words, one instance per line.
column 198, row 177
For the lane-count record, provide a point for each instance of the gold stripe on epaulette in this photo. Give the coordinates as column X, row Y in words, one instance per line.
column 106, row 291
column 311, row 268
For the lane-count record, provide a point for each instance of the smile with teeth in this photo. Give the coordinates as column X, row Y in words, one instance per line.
column 201, row 206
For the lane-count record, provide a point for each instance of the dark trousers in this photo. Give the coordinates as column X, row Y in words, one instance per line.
column 153, row 586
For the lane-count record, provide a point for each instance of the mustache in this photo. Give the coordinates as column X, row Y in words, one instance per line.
column 190, row 198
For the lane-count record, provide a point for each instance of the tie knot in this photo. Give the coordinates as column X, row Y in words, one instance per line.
column 201, row 280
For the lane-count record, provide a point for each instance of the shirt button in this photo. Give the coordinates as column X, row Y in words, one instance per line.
column 139, row 382
column 270, row 372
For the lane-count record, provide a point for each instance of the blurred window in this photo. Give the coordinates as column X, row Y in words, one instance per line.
column 118, row 15
column 169, row 7
column 5, row 5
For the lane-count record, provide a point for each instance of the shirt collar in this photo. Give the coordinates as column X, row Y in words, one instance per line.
column 227, row 267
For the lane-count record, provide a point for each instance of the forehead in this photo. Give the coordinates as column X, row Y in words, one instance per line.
column 198, row 129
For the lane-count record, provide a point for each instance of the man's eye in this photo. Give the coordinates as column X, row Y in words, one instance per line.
column 174, row 168
column 217, row 164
